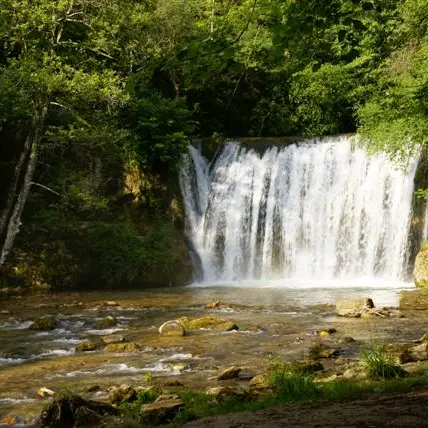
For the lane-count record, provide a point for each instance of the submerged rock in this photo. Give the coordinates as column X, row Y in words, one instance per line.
column 44, row 323
column 172, row 329
column 85, row 346
column 321, row 350
column 113, row 338
column 73, row 411
column 107, row 322
column 161, row 411
column 353, row 308
column 213, row 305
column 122, row 347
column 209, row 323
column 229, row 373
column 420, row 270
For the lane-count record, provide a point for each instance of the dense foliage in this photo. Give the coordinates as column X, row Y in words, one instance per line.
column 100, row 98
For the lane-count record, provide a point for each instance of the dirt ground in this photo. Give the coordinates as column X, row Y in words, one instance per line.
column 393, row 410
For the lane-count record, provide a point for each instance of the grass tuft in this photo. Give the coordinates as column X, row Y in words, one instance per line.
column 379, row 363
column 291, row 381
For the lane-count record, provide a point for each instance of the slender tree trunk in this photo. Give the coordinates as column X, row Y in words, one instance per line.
column 21, row 185
column 14, row 184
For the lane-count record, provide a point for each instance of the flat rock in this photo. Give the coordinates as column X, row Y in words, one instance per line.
column 172, row 329
column 208, row 323
column 229, row 373
column 161, row 412
column 221, row 392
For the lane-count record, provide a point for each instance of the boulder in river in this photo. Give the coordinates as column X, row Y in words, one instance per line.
column 172, row 329
column 85, row 346
column 208, row 323
column 44, row 323
column 162, row 411
column 420, row 270
column 107, row 322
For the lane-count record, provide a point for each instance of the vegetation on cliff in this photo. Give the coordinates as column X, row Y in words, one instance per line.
column 100, row 99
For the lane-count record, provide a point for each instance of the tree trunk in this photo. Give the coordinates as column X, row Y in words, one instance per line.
column 20, row 187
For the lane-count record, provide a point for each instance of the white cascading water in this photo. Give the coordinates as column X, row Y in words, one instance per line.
column 317, row 210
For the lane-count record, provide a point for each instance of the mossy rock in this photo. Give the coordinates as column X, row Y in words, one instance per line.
column 209, row 323
column 414, row 300
column 107, row 322
column 85, row 347
column 44, row 323
column 420, row 270
column 320, row 350
column 122, row 347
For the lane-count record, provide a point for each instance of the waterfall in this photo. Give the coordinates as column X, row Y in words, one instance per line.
column 316, row 210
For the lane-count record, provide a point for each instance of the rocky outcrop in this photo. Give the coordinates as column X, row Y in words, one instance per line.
column 420, row 270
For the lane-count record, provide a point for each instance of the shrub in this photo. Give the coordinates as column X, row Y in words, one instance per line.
column 379, row 362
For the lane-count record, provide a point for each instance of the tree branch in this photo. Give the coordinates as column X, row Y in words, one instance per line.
column 45, row 187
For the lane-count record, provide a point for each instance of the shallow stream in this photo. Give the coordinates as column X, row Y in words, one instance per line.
column 274, row 322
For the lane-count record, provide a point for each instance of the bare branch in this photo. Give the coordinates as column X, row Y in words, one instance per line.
column 45, row 187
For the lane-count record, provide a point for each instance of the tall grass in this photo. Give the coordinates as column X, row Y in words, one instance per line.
column 379, row 363
column 291, row 382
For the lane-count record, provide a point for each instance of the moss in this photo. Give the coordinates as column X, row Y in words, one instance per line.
column 122, row 347
column 420, row 271
column 209, row 322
